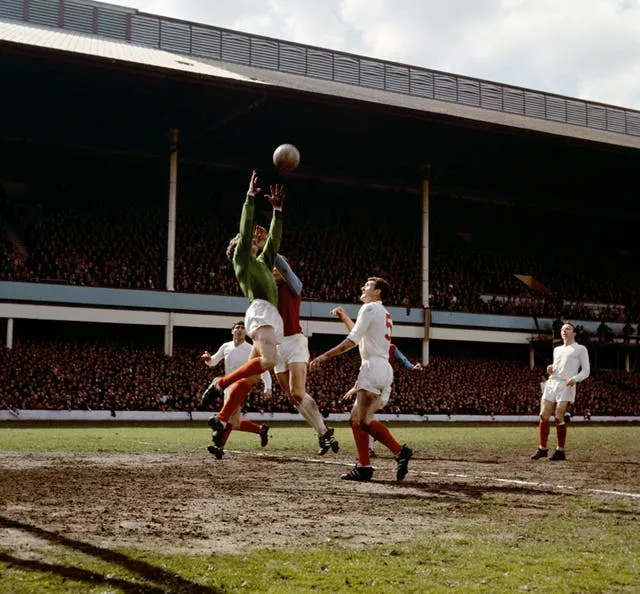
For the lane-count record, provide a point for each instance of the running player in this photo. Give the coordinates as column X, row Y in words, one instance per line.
column 235, row 353
column 372, row 334
column 396, row 359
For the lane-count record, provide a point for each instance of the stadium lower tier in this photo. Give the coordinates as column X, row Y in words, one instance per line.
column 90, row 375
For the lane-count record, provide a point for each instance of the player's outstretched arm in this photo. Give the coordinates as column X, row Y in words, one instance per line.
column 346, row 345
column 290, row 277
column 270, row 251
column 402, row 359
column 246, row 218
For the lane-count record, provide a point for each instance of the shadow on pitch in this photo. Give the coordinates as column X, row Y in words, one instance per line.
column 460, row 490
column 165, row 581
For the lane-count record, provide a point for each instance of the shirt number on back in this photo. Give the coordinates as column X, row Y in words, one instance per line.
column 389, row 325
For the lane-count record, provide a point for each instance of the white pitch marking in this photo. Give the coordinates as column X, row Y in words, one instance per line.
column 634, row 495
column 517, row 482
column 446, row 474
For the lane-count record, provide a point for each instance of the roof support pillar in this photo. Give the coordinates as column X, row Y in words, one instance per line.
column 425, row 266
column 171, row 233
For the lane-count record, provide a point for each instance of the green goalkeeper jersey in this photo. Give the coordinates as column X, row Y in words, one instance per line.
column 255, row 274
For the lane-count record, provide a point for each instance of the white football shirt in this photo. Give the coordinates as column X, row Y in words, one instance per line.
column 568, row 360
column 234, row 357
column 372, row 331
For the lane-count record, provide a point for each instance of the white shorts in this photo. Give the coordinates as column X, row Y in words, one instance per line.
column 557, row 391
column 262, row 313
column 292, row 349
column 375, row 376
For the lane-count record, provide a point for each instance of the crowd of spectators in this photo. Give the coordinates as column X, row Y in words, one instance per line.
column 90, row 375
column 333, row 236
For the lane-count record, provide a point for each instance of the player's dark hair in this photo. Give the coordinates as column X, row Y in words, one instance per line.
column 238, row 323
column 383, row 285
column 232, row 247
column 568, row 323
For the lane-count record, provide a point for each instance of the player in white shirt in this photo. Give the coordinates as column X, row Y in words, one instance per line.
column 235, row 353
column 570, row 366
column 372, row 334
column 396, row 358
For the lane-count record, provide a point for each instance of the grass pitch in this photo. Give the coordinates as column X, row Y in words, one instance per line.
column 143, row 508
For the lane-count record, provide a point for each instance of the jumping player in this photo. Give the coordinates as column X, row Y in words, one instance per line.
column 372, row 334
column 570, row 366
column 293, row 355
column 262, row 321
column 235, row 353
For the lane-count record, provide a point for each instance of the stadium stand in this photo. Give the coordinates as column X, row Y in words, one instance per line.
column 91, row 373
column 506, row 189
column 115, row 238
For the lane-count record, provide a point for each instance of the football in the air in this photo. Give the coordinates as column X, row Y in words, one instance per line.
column 286, row 157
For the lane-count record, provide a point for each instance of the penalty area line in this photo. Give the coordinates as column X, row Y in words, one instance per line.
column 607, row 492
column 519, row 482
column 550, row 486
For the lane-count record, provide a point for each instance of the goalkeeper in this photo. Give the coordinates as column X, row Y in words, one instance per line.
column 262, row 319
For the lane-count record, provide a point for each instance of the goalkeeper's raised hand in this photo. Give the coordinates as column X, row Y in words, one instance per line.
column 276, row 196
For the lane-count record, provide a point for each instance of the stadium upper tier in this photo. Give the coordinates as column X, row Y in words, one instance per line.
column 114, row 236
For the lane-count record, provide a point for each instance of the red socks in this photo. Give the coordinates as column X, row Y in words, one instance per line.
column 361, row 437
column 561, row 431
column 383, row 435
column 378, row 431
column 237, row 394
column 249, row 426
column 544, row 433
column 245, row 425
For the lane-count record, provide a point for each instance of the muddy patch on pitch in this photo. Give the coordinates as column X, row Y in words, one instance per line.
column 193, row 503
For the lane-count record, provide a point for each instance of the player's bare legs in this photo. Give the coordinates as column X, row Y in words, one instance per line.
column 293, row 382
column 264, row 339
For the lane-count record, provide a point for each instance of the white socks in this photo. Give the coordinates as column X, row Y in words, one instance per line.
column 309, row 410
